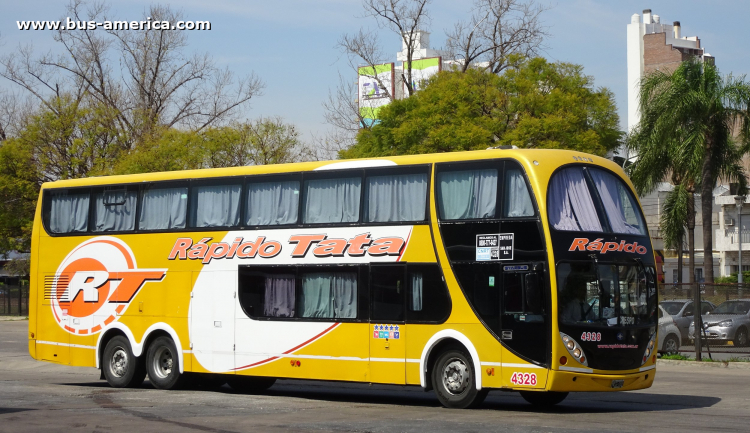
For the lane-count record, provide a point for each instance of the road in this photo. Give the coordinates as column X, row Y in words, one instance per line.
column 38, row 397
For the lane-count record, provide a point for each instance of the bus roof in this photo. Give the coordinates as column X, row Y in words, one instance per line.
column 549, row 158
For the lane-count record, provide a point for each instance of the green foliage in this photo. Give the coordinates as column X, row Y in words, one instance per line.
column 676, row 357
column 685, row 136
column 733, row 278
column 534, row 104
column 263, row 141
column 19, row 189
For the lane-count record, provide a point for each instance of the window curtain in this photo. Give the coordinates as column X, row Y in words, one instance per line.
column 571, row 206
column 332, row 200
column 279, row 296
column 329, row 295
column 517, row 198
column 415, row 297
column 396, row 198
column 69, row 213
column 216, row 205
column 272, row 203
column 163, row 208
column 620, row 210
column 115, row 211
column 468, row 194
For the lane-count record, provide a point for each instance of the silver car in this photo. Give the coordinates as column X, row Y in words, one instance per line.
column 669, row 335
column 730, row 321
column 681, row 311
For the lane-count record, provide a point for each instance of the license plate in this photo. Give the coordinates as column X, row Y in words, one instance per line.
column 618, row 383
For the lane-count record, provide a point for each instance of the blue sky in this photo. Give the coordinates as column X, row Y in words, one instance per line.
column 290, row 44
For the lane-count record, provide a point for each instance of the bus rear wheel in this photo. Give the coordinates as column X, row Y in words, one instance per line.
column 163, row 364
column 453, row 379
column 544, row 399
column 121, row 368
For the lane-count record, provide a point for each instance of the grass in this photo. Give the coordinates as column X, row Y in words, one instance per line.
column 679, row 357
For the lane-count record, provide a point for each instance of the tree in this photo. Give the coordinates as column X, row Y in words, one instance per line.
column 497, row 30
column 695, row 103
column 534, row 104
column 262, row 141
column 143, row 77
column 685, row 133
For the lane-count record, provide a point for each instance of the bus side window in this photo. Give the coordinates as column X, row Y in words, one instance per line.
column 427, row 297
column 68, row 212
column 396, row 197
column 387, row 291
column 163, row 208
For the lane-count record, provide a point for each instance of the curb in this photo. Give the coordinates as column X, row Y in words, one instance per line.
column 12, row 318
column 713, row 364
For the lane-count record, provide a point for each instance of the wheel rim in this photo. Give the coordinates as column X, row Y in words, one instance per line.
column 670, row 345
column 456, row 376
column 163, row 362
column 742, row 338
column 118, row 364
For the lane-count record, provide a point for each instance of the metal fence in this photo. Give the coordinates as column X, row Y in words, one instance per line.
column 713, row 342
column 14, row 300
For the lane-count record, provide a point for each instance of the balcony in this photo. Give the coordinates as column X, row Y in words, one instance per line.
column 728, row 239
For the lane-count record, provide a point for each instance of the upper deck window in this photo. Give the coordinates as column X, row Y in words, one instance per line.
column 517, row 197
column 115, row 210
column 332, row 200
column 69, row 213
column 215, row 205
column 163, row 208
column 619, row 204
column 272, row 203
column 468, row 194
column 586, row 199
column 396, row 198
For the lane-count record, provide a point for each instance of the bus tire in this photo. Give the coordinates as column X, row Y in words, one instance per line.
column 121, row 368
column 453, row 379
column 250, row 384
column 163, row 364
column 542, row 398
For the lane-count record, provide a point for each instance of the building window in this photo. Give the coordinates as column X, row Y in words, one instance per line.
column 699, row 275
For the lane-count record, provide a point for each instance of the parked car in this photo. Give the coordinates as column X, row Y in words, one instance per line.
column 669, row 336
column 730, row 321
column 682, row 312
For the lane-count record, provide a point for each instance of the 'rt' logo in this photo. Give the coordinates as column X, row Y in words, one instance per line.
column 95, row 283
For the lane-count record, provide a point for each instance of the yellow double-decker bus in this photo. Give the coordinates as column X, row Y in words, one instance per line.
column 523, row 270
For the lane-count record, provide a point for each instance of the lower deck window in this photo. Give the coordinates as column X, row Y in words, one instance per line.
column 317, row 293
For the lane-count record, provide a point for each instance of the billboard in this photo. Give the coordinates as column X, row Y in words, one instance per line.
column 421, row 70
column 376, row 89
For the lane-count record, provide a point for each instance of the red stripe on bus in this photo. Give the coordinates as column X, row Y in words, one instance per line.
column 329, row 329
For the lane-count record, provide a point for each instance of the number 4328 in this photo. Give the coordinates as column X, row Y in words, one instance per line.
column 523, row 379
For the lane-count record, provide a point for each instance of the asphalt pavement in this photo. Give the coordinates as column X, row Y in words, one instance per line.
column 37, row 397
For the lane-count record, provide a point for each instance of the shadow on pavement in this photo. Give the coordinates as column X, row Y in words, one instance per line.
column 576, row 403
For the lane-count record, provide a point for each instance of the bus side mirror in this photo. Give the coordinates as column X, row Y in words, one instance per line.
column 533, row 293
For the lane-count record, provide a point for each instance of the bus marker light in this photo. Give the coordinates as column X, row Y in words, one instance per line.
column 298, row 363
column 490, row 372
column 583, row 359
column 563, row 360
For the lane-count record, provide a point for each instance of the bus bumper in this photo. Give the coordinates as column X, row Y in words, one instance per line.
column 570, row 381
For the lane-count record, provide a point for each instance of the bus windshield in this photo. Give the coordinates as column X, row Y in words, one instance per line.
column 606, row 294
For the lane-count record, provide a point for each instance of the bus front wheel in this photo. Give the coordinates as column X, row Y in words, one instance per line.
column 163, row 364
column 543, row 399
column 121, row 368
column 453, row 379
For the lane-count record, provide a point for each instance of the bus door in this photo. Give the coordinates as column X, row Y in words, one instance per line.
column 212, row 319
column 387, row 330
column 525, row 320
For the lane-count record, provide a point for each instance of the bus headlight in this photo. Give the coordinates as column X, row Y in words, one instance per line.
column 574, row 349
column 649, row 348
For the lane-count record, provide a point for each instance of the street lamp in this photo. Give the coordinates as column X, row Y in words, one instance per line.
column 739, row 201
